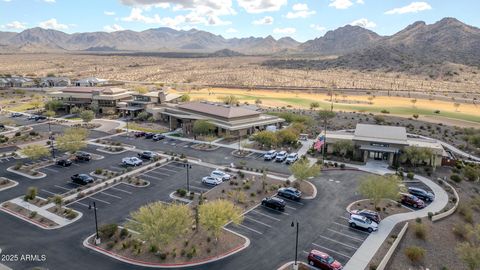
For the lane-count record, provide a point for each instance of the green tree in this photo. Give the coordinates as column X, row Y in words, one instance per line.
column 75, row 110
column 229, row 100
column 415, row 155
column 258, row 101
column 379, row 119
column 36, row 101
column 343, row 148
column 203, row 127
column 302, row 170
column 314, row 105
column 378, row 187
column 143, row 116
column 31, row 194
column 326, row 115
column 87, row 116
column 141, row 89
column 53, row 105
column 49, row 114
column 185, row 98
column 266, row 138
column 35, row 151
column 287, row 136
column 160, row 223
column 215, row 214
column 471, row 173
column 72, row 140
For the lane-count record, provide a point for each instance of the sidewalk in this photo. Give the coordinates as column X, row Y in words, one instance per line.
column 42, row 211
column 367, row 250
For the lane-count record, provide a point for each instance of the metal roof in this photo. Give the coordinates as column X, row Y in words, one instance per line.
column 378, row 133
column 217, row 109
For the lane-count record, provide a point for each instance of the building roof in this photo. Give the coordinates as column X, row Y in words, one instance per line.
column 216, row 109
column 383, row 134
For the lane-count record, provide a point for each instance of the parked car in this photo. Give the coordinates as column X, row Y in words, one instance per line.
column 132, row 161
column 412, row 200
column 16, row 114
column 40, row 117
column 291, row 158
column 221, row 175
column 149, row 135
column 212, row 181
column 139, row 134
column 323, row 261
column 422, row 194
column 147, row 155
column 270, row 155
column 2, row 126
column 281, row 156
column 290, row 193
column 274, row 203
column 357, row 221
column 31, row 117
column 83, row 156
column 82, row 179
column 372, row 215
column 158, row 137
column 64, row 162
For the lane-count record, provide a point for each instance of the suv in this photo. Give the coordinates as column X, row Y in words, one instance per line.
column 372, row 215
column 40, row 117
column 412, row 200
column 147, row 155
column 16, row 114
column 220, row 175
column 64, row 162
column 274, row 203
column 139, row 134
column 281, row 156
column 158, row 137
column 211, row 181
column 270, row 155
column 422, row 194
column 149, row 135
column 132, row 161
column 357, row 221
column 291, row 158
column 323, row 260
column 83, row 156
column 82, row 179
column 290, row 193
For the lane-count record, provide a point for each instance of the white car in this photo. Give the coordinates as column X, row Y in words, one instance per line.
column 212, row 181
column 357, row 221
column 291, row 158
column 222, row 175
column 281, row 156
column 132, row 161
column 270, row 155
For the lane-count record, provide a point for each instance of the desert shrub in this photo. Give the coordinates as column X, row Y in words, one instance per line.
column 107, row 230
column 456, row 178
column 410, row 175
column 466, row 212
column 415, row 253
column 420, row 231
column 460, row 230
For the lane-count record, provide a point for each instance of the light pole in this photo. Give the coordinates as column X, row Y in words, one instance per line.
column 188, row 166
column 97, row 238
column 295, row 266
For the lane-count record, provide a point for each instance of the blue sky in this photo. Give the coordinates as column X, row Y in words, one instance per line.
column 300, row 19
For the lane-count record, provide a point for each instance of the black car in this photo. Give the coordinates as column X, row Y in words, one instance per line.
column 372, row 215
column 147, row 155
column 2, row 126
column 82, row 179
column 64, row 162
column 15, row 114
column 274, row 203
column 140, row 134
column 83, row 156
column 290, row 193
column 40, row 117
column 422, row 194
column 149, row 135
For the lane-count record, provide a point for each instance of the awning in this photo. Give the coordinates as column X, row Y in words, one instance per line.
column 132, row 109
column 379, row 149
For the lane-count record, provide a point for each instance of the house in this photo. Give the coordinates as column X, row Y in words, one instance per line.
column 228, row 120
column 384, row 143
column 3, row 83
column 91, row 82
column 148, row 102
column 104, row 100
column 55, row 82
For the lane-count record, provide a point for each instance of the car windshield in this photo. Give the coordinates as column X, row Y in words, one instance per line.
column 368, row 221
column 330, row 260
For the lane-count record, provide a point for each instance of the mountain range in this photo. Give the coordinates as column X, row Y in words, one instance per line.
column 447, row 40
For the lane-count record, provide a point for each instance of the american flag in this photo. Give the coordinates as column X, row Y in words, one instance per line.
column 318, row 144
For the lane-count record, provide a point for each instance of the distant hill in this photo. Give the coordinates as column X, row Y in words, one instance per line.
column 225, row 53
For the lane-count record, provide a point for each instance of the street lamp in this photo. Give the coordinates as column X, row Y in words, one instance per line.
column 295, row 266
column 97, row 238
column 188, row 166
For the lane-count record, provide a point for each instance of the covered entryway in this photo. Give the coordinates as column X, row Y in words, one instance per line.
column 385, row 154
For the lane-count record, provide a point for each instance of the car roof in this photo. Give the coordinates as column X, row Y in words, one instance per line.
column 366, row 211
column 320, row 253
column 282, row 152
column 358, row 216
column 417, row 189
column 271, row 151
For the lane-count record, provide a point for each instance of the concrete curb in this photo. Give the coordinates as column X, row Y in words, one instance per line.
column 450, row 211
column 174, row 197
column 15, row 183
column 113, row 153
column 132, row 185
column 284, row 266
column 41, row 174
column 168, row 265
column 314, row 192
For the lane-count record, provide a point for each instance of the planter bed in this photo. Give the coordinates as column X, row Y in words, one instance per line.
column 29, row 215
column 67, row 213
column 6, row 183
column 385, row 208
column 241, row 153
column 204, row 147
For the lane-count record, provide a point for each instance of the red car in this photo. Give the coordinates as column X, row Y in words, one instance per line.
column 412, row 200
column 323, row 261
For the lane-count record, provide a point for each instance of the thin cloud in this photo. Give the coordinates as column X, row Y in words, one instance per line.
column 286, row 30
column 414, row 7
column 264, row 20
column 53, row 24
column 364, row 22
column 300, row 11
column 340, row 4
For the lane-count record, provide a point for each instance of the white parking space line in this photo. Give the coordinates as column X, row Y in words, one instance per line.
column 81, row 204
column 289, row 207
column 49, row 169
column 111, row 195
column 75, row 184
column 93, row 198
column 49, row 192
column 150, row 176
column 64, row 188
column 75, row 164
column 125, row 191
column 155, row 172
column 117, row 168
column 345, row 218
column 259, row 222
column 248, row 228
column 331, row 250
column 163, row 168
column 349, row 236
column 271, row 209
column 131, row 220
column 338, row 242
column 265, row 215
column 346, row 226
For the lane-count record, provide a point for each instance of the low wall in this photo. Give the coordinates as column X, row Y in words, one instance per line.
column 450, row 211
column 386, row 258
